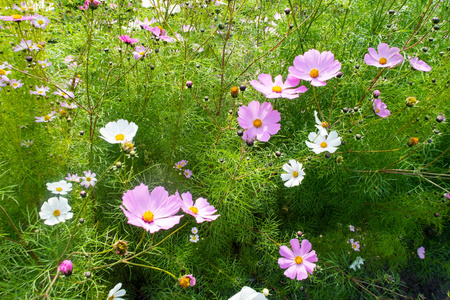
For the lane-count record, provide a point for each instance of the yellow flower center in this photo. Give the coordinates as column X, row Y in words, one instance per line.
column 58, row 189
column 148, row 216
column 185, row 282
column 298, row 260
column 120, row 137
column 2, row 72
column 194, row 209
column 382, row 61
column 160, row 28
column 355, row 246
column 378, row 110
column 15, row 84
column 40, row 92
column 141, row 53
column 111, row 298
column 88, row 179
column 63, row 112
column 179, row 166
column 323, row 145
column 62, row 94
column 314, row 73
column 40, row 46
column 47, row 117
column 324, row 124
column 56, row 212
column 40, row 22
column 129, row 145
column 295, row 174
column 16, row 17
column 23, row 8
column 257, row 123
column 276, row 89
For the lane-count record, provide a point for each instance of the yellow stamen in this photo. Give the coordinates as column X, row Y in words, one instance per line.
column 276, row 89
column 257, row 123
column 40, row 22
column 2, row 72
column 185, row 282
column 298, row 260
column 56, row 212
column 63, row 112
column 40, row 92
column 88, row 179
column 295, row 174
column 382, row 61
column 111, row 298
column 194, row 209
column 160, row 28
column 47, row 117
column 16, row 17
column 141, row 53
column 120, row 137
column 59, row 189
column 323, row 145
column 314, row 73
column 355, row 246
column 378, row 110
column 148, row 216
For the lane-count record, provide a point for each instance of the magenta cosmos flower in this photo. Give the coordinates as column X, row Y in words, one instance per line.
column 278, row 89
column 419, row 65
column 385, row 58
column 128, row 40
column 153, row 211
column 161, row 33
column 66, row 267
column 298, row 262
column 17, row 18
column 380, row 108
column 260, row 120
column 202, row 211
column 315, row 67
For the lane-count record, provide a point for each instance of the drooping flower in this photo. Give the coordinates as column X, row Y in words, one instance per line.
column 66, row 267
column 64, row 94
column 187, row 173
column 352, row 228
column 278, row 89
column 128, row 40
column 40, row 91
column 294, row 174
column 140, row 51
column 61, row 187
column 116, row 293
column 298, row 262
column 357, row 263
column 355, row 245
column 385, row 58
column 247, row 293
column 45, row 63
column 380, row 108
column 17, row 18
column 119, row 132
column 55, row 210
column 88, row 179
column 26, row 143
column 40, row 21
column 193, row 238
column 322, row 126
column 16, row 83
column 260, row 120
column 421, row 252
column 315, row 67
column 202, row 211
column 153, row 211
column 187, row 281
column 320, row 143
column 194, row 230
column 419, row 65
column 72, row 178
column 46, row 118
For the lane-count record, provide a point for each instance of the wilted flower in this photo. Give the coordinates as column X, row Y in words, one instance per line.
column 69, row 106
column 386, row 57
column 411, row 101
column 119, row 132
column 380, row 108
column 202, row 211
column 320, row 143
column 413, row 141
column 116, row 293
column 234, row 91
column 294, row 174
column 315, row 67
column 55, row 210
column 376, row 93
column 153, row 211
column 355, row 245
column 278, row 89
column 88, row 179
column 121, row 247
column 61, row 187
column 299, row 261
column 419, row 65
column 421, row 252
column 187, row 280
column 357, row 263
column 66, row 267
column 260, row 120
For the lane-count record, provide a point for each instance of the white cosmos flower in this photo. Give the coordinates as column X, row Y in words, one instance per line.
column 116, row 293
column 119, row 132
column 55, row 210
column 322, row 126
column 294, row 174
column 61, row 187
column 248, row 294
column 357, row 263
column 321, row 143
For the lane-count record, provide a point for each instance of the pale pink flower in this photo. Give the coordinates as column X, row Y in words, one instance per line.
column 15, row 83
column 419, row 65
column 88, row 180
column 278, row 89
column 128, row 40
column 202, row 211
column 46, row 118
column 260, row 120
column 355, row 245
column 40, row 91
column 380, row 108
column 385, row 58
column 421, row 252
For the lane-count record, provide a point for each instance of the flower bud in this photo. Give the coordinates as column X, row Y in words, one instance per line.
column 66, row 267
column 376, row 94
column 189, row 84
column 413, row 141
column 287, row 11
column 234, row 91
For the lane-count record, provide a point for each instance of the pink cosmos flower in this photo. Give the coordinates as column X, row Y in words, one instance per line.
column 421, row 252
column 385, row 58
column 73, row 178
column 298, row 262
column 179, row 165
column 380, row 108
column 23, row 45
column 46, row 118
column 153, row 211
column 315, row 67
column 419, row 65
column 16, row 83
column 128, row 40
column 278, row 89
column 260, row 120
column 161, row 33
column 187, row 280
column 88, row 179
column 187, row 28
column 64, row 94
column 69, row 106
column 202, row 211
column 17, row 18
column 40, row 91
column 66, row 267
column 355, row 245
column 40, row 21
column 140, row 51
column 187, row 173
column 352, row 228
column 146, row 23
column 45, row 63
